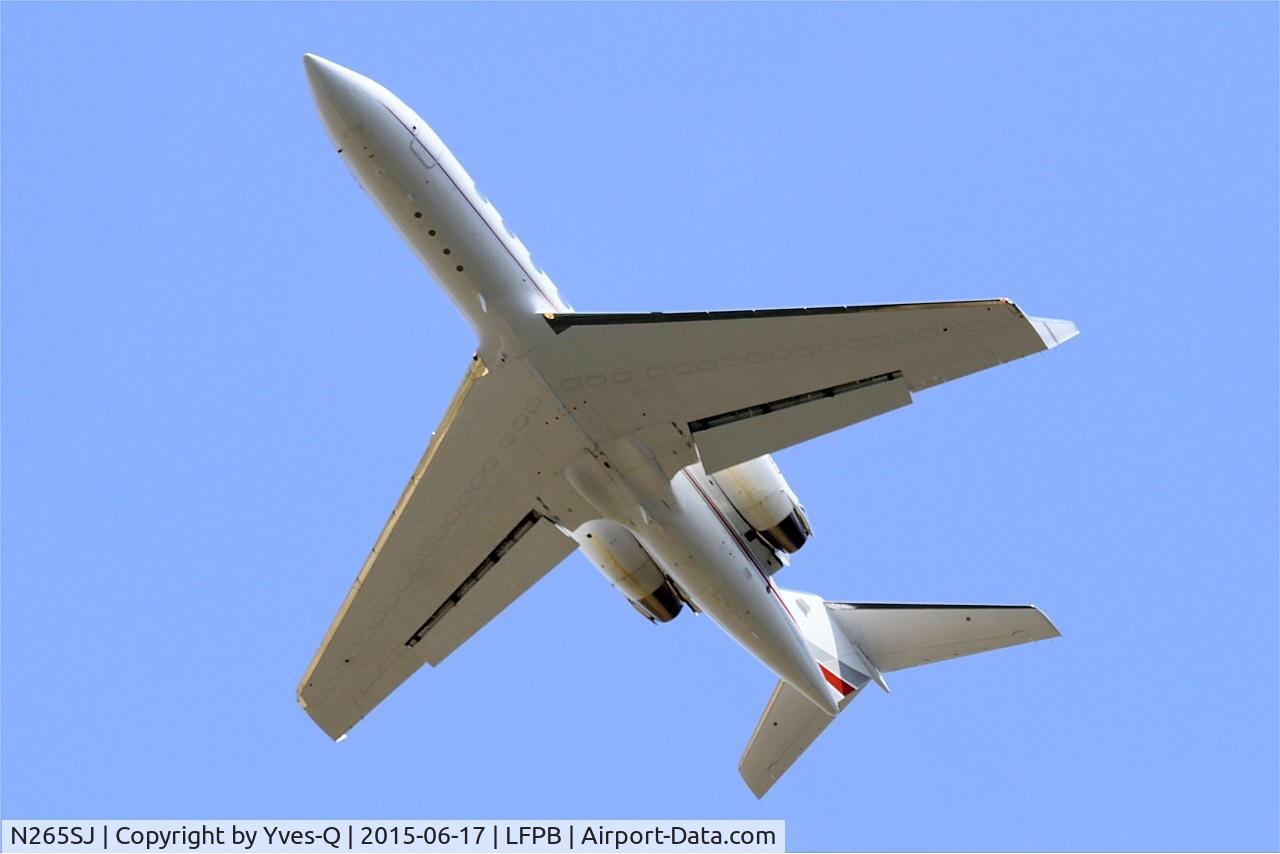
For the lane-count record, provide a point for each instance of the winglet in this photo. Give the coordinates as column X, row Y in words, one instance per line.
column 1053, row 332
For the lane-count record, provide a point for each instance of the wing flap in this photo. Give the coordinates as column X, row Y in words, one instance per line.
column 731, row 438
column 497, row 584
column 894, row 636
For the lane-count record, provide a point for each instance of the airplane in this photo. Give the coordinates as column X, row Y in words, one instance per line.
column 642, row 439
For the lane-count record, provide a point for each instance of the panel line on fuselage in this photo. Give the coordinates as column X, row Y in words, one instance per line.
column 440, row 165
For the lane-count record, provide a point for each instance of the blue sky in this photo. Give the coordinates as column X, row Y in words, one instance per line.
column 220, row 366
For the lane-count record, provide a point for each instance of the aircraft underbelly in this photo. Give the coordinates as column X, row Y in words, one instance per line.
column 699, row 549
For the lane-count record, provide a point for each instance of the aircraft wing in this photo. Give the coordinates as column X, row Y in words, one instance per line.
column 465, row 540
column 740, row 384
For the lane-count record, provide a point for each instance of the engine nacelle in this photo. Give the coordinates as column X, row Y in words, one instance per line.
column 759, row 492
column 619, row 555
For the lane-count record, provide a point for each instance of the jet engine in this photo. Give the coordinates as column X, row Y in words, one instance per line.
column 619, row 555
column 759, row 492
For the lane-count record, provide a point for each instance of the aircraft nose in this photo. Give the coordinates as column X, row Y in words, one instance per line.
column 335, row 92
column 320, row 72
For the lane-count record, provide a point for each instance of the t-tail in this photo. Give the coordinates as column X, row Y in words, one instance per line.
column 855, row 644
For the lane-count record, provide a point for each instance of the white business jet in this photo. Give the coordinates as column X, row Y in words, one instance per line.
column 642, row 439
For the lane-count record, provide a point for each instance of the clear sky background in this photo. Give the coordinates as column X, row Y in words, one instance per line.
column 220, row 366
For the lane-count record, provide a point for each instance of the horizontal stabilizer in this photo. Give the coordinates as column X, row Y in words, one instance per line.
column 895, row 636
column 852, row 644
column 790, row 723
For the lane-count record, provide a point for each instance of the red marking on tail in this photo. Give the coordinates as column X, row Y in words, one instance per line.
column 836, row 682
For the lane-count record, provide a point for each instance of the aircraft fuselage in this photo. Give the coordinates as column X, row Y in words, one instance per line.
column 493, row 280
